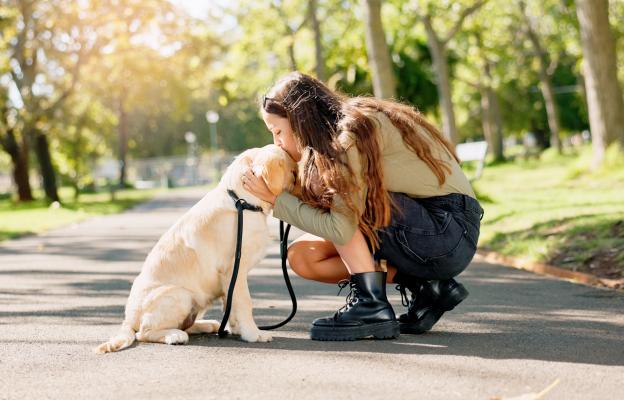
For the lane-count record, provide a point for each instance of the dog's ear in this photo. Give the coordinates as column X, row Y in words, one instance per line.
column 273, row 175
column 247, row 159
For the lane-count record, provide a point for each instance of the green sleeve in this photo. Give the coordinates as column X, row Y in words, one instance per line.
column 337, row 227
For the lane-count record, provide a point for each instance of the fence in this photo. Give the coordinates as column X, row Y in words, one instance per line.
column 167, row 171
column 150, row 172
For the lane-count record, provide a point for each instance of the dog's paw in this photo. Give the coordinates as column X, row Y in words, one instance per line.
column 265, row 337
column 177, row 338
column 256, row 336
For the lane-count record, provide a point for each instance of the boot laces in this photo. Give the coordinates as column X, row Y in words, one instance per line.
column 352, row 297
column 411, row 302
column 405, row 300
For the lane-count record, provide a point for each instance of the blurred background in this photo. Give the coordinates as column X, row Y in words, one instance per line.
column 105, row 103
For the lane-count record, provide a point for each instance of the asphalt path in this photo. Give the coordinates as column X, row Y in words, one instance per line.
column 63, row 292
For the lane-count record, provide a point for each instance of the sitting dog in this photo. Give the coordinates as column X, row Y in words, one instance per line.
column 191, row 265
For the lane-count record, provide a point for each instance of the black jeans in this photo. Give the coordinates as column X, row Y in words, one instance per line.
column 431, row 238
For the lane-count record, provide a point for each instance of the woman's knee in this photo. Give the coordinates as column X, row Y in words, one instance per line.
column 303, row 260
column 297, row 260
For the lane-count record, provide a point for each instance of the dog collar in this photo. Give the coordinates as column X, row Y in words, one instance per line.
column 242, row 203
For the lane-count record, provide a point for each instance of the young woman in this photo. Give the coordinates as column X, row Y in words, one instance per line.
column 378, row 182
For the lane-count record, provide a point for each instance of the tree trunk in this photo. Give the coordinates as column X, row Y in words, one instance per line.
column 318, row 43
column 491, row 122
column 495, row 118
column 437, row 47
column 77, row 155
column 378, row 52
column 486, row 119
column 19, row 157
column 291, row 54
column 123, row 144
column 546, row 86
column 42, row 149
column 604, row 95
column 497, row 127
column 440, row 65
column 552, row 110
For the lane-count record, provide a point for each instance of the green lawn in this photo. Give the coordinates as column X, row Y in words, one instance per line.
column 552, row 210
column 17, row 219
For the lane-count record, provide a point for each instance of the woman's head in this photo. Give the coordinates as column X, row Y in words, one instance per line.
column 303, row 114
column 304, row 107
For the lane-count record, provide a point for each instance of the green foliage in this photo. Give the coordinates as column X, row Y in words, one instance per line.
column 413, row 71
column 614, row 159
column 17, row 219
column 541, row 211
column 164, row 69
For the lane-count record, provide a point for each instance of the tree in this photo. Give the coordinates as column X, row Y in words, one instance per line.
column 80, row 136
column 604, row 95
column 318, row 42
column 378, row 53
column 291, row 28
column 140, row 73
column 483, row 69
column 546, row 68
column 438, row 45
column 11, row 139
column 51, row 44
column 10, row 142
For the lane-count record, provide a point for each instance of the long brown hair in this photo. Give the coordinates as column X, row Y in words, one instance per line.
column 318, row 115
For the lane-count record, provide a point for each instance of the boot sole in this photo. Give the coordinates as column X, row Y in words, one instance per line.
column 423, row 325
column 456, row 296
column 381, row 330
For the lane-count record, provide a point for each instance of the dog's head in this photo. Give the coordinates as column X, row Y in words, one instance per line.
column 270, row 162
column 276, row 168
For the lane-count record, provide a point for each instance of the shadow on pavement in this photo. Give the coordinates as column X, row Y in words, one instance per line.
column 509, row 314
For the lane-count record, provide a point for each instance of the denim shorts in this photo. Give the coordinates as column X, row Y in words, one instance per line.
column 430, row 238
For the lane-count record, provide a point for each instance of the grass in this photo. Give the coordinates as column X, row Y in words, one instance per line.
column 17, row 219
column 555, row 210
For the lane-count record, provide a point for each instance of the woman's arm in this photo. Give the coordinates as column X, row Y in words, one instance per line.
column 338, row 224
column 333, row 225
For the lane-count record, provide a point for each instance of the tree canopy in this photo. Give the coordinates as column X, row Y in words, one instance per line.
column 87, row 79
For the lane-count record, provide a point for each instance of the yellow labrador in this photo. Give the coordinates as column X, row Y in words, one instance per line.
column 191, row 265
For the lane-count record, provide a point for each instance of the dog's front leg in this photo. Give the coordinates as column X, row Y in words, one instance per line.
column 242, row 322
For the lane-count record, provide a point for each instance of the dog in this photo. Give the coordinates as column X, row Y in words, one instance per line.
column 191, row 265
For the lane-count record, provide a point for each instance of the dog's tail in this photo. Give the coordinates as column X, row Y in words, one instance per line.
column 124, row 338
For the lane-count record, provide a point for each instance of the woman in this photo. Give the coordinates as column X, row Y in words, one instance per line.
column 378, row 182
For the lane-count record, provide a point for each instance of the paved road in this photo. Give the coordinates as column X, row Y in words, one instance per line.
column 62, row 293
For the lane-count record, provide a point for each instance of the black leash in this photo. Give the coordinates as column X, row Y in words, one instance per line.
column 242, row 205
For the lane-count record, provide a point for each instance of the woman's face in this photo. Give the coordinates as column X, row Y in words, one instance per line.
column 283, row 135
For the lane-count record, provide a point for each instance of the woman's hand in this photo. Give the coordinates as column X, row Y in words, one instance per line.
column 257, row 186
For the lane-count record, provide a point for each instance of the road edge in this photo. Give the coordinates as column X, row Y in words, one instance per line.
column 541, row 268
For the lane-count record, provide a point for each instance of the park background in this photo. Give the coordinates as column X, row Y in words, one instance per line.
column 104, row 104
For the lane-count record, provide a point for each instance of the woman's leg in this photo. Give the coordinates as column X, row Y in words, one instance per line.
column 315, row 258
column 367, row 311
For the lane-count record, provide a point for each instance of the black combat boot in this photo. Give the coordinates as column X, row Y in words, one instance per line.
column 429, row 300
column 367, row 312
